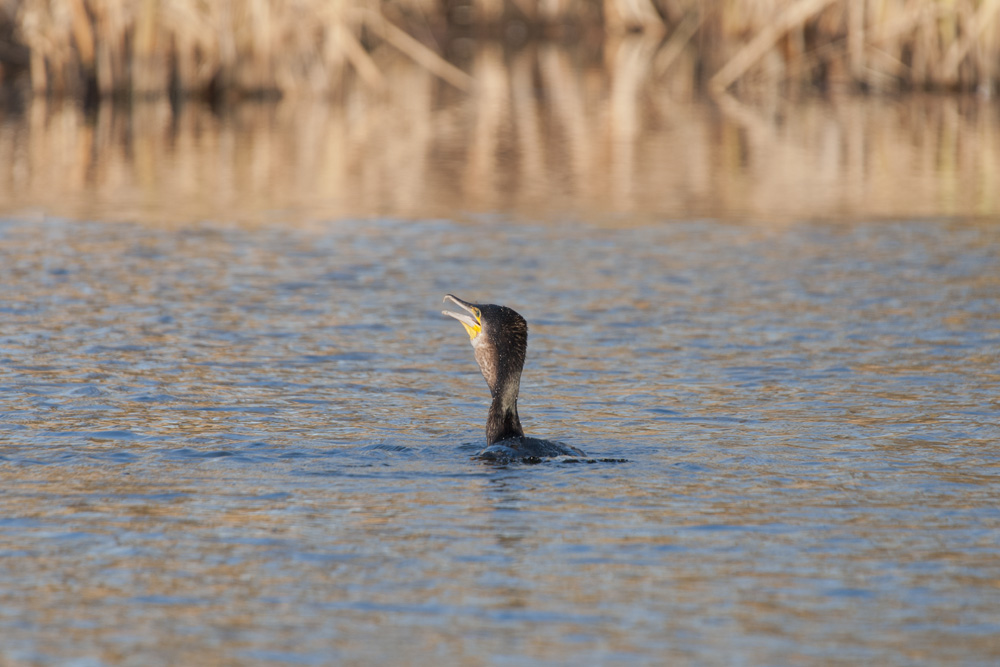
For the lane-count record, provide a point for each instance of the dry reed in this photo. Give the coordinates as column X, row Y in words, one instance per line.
column 541, row 140
column 309, row 47
column 241, row 47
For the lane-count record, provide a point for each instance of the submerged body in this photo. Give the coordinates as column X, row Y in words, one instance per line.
column 523, row 448
column 499, row 337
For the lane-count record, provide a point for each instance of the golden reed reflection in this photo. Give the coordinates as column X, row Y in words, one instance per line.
column 542, row 137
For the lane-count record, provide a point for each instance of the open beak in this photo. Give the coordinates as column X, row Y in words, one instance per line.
column 471, row 322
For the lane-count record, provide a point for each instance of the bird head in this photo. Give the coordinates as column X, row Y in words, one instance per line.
column 500, row 339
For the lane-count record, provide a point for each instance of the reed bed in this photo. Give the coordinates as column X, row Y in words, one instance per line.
column 238, row 48
column 541, row 140
column 149, row 48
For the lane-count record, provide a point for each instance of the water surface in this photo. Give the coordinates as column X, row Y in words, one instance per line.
column 227, row 444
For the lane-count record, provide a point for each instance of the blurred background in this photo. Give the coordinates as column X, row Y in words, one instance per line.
column 621, row 110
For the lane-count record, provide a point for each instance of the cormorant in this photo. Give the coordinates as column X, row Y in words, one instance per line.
column 500, row 339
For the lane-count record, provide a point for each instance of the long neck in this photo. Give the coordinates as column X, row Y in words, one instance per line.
column 502, row 421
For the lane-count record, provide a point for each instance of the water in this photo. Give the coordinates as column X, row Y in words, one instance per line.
column 228, row 444
column 572, row 145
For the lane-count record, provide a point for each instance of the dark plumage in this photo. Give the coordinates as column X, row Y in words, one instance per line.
column 500, row 339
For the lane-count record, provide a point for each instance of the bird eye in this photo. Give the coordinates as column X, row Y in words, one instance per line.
column 478, row 314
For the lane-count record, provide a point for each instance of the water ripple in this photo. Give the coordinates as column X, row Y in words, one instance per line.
column 261, row 440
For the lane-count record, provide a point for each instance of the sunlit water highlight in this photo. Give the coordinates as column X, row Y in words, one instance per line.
column 230, row 445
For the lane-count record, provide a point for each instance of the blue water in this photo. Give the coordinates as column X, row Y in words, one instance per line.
column 224, row 444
